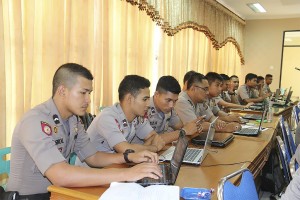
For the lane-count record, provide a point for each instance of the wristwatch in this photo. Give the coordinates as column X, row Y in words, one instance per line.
column 127, row 151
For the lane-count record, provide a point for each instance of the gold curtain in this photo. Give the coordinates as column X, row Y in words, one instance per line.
column 111, row 38
column 218, row 23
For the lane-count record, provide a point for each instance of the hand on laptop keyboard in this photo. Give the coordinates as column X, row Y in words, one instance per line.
column 139, row 171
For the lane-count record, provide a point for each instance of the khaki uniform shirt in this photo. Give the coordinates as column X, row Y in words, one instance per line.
column 245, row 92
column 40, row 140
column 111, row 128
column 160, row 121
column 188, row 111
column 213, row 105
column 266, row 89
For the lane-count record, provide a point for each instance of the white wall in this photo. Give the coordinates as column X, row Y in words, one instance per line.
column 263, row 47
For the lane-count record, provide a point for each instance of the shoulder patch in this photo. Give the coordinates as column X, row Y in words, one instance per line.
column 46, row 128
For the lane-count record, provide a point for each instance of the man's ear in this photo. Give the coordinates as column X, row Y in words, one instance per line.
column 61, row 90
column 128, row 98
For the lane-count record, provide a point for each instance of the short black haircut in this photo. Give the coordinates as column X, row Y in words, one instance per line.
column 259, row 78
column 67, row 74
column 225, row 77
column 188, row 75
column 212, row 77
column 195, row 78
column 168, row 84
column 233, row 76
column 132, row 84
column 250, row 76
column 269, row 76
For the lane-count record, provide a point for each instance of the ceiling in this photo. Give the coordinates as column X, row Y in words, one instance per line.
column 276, row 9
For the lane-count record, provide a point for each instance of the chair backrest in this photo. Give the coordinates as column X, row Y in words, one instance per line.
column 4, row 164
column 246, row 190
column 291, row 141
column 296, row 111
column 72, row 158
column 286, row 145
column 283, row 159
column 87, row 119
column 293, row 166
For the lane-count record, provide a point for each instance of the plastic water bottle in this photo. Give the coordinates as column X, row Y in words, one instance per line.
column 270, row 112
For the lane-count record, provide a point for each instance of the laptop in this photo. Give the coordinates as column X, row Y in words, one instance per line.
column 252, row 131
column 253, row 116
column 194, row 156
column 277, row 94
column 283, row 103
column 169, row 170
column 220, row 139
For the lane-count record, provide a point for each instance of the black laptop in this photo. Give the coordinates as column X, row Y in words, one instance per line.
column 220, row 139
column 252, row 131
column 170, row 170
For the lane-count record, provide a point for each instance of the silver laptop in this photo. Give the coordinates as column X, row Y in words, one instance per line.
column 252, row 131
column 194, row 155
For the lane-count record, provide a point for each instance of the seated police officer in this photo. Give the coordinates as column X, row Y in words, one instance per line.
column 247, row 93
column 161, row 114
column 124, row 126
column 191, row 104
column 47, row 134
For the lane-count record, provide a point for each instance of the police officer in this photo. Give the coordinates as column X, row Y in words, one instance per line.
column 124, row 126
column 47, row 134
column 161, row 114
column 246, row 93
column 214, row 89
column 191, row 104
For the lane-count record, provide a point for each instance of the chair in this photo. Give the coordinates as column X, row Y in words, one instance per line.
column 87, row 119
column 246, row 190
column 296, row 111
column 285, row 136
column 4, row 163
column 72, row 158
column 283, row 160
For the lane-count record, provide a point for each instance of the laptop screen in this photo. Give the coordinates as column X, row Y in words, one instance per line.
column 178, row 155
column 209, row 138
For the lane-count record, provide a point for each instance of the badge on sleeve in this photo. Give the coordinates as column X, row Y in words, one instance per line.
column 46, row 128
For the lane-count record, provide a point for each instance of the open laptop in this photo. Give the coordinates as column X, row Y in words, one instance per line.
column 194, row 155
column 170, row 170
column 283, row 103
column 252, row 131
column 220, row 139
column 277, row 95
column 253, row 116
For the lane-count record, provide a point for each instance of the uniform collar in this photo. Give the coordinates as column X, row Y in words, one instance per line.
column 54, row 114
column 188, row 98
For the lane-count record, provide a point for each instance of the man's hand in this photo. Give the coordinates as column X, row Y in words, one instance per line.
column 231, row 127
column 143, row 156
column 233, row 118
column 155, row 140
column 248, row 105
column 220, row 124
column 137, row 172
column 194, row 126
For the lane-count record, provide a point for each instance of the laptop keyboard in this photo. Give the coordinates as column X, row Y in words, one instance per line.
column 249, row 131
column 165, row 179
column 191, row 154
